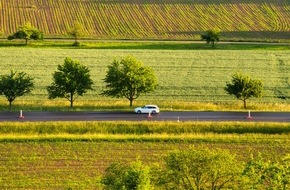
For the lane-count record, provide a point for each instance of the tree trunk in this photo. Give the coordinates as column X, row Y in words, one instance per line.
column 10, row 105
column 71, row 100
column 131, row 102
column 245, row 104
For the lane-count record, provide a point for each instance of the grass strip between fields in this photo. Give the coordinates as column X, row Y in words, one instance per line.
column 210, row 137
column 237, row 132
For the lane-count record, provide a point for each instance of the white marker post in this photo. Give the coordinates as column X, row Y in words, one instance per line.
column 21, row 116
column 149, row 115
column 249, row 115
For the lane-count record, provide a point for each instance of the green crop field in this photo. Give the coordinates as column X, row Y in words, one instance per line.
column 63, row 155
column 185, row 76
column 78, row 165
column 150, row 19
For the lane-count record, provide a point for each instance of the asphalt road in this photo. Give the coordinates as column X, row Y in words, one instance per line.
column 130, row 116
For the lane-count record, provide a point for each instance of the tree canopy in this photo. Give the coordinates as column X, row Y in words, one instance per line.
column 27, row 32
column 77, row 31
column 200, row 168
column 14, row 85
column 211, row 36
column 243, row 87
column 264, row 174
column 127, row 177
column 70, row 81
column 129, row 78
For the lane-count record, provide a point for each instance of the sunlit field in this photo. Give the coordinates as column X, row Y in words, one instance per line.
column 266, row 20
column 164, row 35
column 63, row 155
column 186, row 77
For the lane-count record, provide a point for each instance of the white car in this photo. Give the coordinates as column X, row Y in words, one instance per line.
column 147, row 109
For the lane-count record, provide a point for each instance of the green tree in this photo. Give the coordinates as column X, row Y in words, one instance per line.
column 127, row 177
column 200, row 168
column 129, row 78
column 113, row 179
column 27, row 32
column 264, row 174
column 77, row 31
column 70, row 81
column 15, row 85
column 211, row 36
column 243, row 87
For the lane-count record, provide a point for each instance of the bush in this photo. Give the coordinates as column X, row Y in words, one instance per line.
column 122, row 177
column 77, row 44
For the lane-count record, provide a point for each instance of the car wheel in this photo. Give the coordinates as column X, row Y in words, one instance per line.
column 138, row 111
column 153, row 112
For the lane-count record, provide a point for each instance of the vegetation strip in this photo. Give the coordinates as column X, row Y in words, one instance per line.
column 189, row 138
column 140, row 128
column 145, row 131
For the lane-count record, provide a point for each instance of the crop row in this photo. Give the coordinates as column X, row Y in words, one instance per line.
column 147, row 19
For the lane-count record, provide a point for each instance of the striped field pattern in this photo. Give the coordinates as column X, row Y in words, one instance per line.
column 152, row 19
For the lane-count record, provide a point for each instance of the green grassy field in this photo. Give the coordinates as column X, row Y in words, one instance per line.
column 63, row 155
column 187, row 78
column 266, row 20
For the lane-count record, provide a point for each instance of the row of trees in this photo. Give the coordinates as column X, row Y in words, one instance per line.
column 200, row 169
column 28, row 32
column 126, row 78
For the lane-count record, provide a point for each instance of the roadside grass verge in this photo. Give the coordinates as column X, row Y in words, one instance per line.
column 108, row 104
column 142, row 131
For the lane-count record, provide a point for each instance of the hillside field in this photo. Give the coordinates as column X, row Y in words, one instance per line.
column 266, row 20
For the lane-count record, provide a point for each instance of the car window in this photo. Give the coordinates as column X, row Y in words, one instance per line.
column 150, row 107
